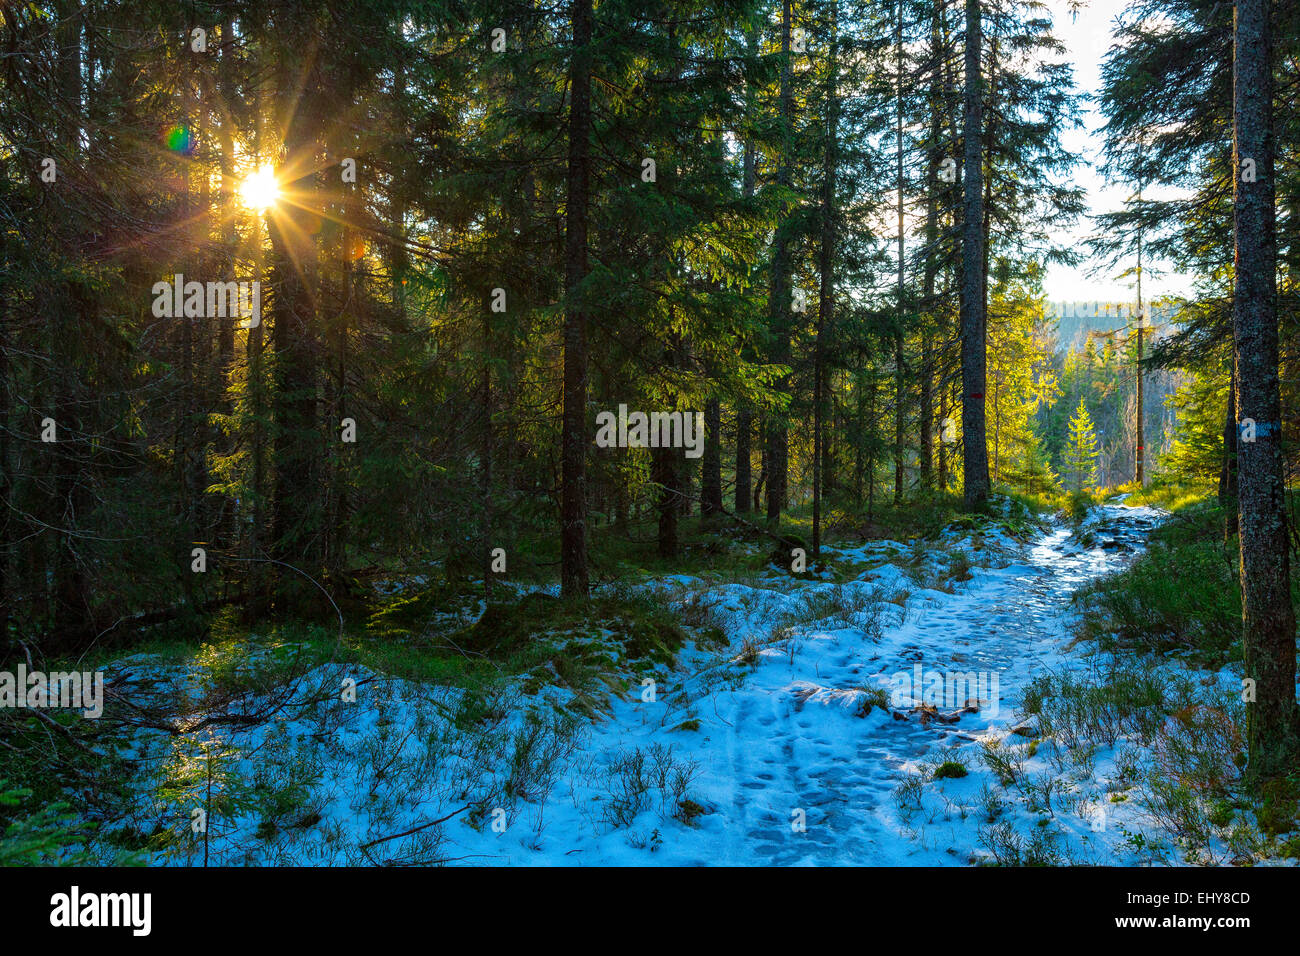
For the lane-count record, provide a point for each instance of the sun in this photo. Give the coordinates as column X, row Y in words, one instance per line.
column 259, row 190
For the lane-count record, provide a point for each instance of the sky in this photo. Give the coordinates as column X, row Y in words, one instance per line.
column 1087, row 37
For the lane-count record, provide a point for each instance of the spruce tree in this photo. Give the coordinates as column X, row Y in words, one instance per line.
column 1081, row 450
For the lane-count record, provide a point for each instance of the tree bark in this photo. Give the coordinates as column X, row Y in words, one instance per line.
column 664, row 472
column 900, row 404
column 778, row 446
column 825, row 265
column 296, row 512
column 745, row 416
column 72, row 303
column 711, row 465
column 1268, row 617
column 975, row 460
column 485, row 460
column 1228, row 473
column 573, row 494
column 935, row 158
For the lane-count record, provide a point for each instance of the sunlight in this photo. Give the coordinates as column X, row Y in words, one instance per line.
column 259, row 190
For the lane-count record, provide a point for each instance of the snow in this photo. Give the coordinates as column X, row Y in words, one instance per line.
column 776, row 750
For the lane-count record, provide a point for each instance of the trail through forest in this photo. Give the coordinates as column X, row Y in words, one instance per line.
column 877, row 719
column 811, row 755
column 415, row 418
column 1010, row 622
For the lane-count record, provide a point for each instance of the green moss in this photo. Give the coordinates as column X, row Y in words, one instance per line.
column 712, row 638
column 1220, row 813
column 1279, row 807
column 870, row 699
column 688, row 810
column 950, row 769
column 411, row 613
column 505, row 628
column 573, row 643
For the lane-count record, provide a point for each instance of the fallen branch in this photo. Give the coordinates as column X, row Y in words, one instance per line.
column 422, row 826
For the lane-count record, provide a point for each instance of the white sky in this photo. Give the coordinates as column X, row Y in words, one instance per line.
column 1087, row 38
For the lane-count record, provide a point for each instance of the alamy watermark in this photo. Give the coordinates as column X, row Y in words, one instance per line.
column 947, row 689
column 75, row 908
column 208, row 300
column 77, row 690
column 653, row 430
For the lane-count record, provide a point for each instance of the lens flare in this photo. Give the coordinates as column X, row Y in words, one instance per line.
column 179, row 140
column 259, row 190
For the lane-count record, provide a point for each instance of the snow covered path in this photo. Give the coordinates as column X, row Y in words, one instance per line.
column 790, row 772
column 1009, row 622
column 801, row 743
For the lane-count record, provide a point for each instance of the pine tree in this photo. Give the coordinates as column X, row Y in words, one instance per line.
column 1081, row 450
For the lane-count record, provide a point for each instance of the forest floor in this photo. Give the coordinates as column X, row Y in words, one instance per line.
column 933, row 706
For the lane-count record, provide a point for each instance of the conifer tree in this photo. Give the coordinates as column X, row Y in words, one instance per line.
column 1081, row 450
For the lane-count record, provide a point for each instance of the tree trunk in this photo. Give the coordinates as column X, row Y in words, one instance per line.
column 829, row 477
column 485, row 459
column 227, row 528
column 935, row 159
column 711, row 466
column 1139, row 460
column 975, row 459
column 900, row 404
column 1228, row 473
column 943, row 441
column 744, row 416
column 6, row 466
column 860, row 415
column 779, row 305
column 72, row 303
column 336, row 536
column 744, row 429
column 573, row 494
column 1268, row 617
column 664, row 473
column 826, row 292
column 296, row 519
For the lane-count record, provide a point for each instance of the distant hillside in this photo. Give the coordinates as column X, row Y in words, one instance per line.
column 1105, row 379
column 1076, row 319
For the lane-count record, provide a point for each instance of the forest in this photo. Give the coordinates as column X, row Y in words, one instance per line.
column 595, row 432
